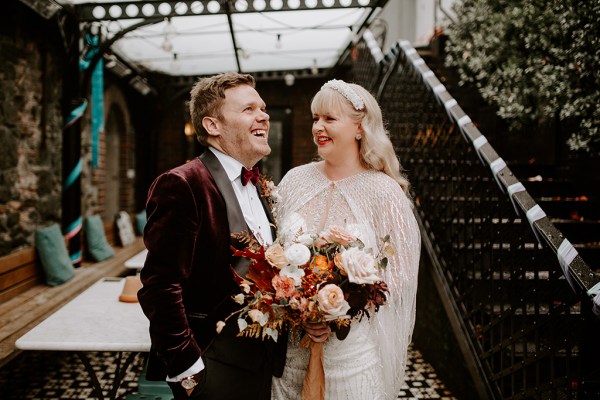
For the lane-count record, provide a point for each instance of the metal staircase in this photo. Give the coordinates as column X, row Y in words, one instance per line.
column 515, row 271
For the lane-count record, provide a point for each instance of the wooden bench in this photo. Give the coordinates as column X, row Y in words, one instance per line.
column 26, row 300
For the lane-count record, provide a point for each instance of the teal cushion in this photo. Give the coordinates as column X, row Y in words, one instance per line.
column 51, row 247
column 140, row 222
column 95, row 237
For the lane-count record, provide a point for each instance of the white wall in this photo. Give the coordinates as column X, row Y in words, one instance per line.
column 414, row 20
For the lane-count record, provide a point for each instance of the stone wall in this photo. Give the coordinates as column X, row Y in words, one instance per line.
column 30, row 125
column 31, row 133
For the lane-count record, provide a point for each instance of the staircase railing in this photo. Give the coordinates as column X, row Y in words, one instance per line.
column 520, row 296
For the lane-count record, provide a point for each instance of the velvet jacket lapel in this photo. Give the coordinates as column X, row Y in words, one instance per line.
column 235, row 217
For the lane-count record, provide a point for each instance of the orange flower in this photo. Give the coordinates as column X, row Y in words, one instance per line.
column 321, row 264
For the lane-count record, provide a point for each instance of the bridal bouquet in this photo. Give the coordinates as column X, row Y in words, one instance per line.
column 326, row 277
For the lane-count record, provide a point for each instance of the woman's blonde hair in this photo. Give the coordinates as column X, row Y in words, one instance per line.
column 376, row 149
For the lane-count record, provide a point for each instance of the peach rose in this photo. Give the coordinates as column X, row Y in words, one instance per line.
column 337, row 260
column 332, row 302
column 339, row 235
column 359, row 266
column 275, row 256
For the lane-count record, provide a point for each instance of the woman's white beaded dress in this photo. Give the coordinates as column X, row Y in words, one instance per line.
column 369, row 363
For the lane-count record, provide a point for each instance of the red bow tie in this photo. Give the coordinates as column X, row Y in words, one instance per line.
column 250, row 175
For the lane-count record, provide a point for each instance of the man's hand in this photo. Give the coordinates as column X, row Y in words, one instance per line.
column 317, row 331
column 199, row 378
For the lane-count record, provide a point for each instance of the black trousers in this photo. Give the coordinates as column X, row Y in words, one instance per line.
column 228, row 382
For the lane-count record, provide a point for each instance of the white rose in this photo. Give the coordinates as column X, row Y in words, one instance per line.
column 359, row 266
column 297, row 254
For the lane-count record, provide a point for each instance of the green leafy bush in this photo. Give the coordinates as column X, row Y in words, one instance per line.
column 536, row 60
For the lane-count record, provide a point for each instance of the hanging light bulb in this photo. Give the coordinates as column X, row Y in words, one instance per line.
column 167, row 45
column 278, row 42
column 315, row 68
column 289, row 79
column 169, row 32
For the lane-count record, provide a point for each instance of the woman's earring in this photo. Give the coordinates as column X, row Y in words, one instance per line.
column 358, row 136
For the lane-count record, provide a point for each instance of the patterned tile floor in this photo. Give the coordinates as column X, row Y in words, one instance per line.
column 60, row 375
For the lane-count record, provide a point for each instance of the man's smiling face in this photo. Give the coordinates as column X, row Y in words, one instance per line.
column 244, row 126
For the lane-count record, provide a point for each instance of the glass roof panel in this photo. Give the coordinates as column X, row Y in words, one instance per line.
column 266, row 41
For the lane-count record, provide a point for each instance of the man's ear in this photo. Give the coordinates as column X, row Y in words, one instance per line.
column 211, row 125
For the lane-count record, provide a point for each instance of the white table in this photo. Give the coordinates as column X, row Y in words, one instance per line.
column 95, row 320
column 137, row 261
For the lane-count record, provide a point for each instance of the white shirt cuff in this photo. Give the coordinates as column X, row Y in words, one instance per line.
column 193, row 370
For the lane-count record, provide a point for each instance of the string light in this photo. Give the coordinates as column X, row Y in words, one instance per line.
column 278, row 42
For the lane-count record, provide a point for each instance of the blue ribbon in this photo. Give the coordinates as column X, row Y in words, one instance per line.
column 76, row 113
column 74, row 174
column 75, row 257
column 74, row 227
column 97, row 109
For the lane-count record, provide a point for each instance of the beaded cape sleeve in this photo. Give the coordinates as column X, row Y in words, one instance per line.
column 376, row 202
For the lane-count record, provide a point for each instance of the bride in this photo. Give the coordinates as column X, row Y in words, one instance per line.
column 357, row 185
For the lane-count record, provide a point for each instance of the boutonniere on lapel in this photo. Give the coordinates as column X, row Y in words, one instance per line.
column 269, row 191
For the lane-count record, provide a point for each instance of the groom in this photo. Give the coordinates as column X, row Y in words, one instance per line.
column 187, row 281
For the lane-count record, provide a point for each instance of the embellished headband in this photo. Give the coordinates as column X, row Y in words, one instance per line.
column 346, row 90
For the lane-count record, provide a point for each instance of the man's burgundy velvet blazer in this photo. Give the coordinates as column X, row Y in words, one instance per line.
column 187, row 281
